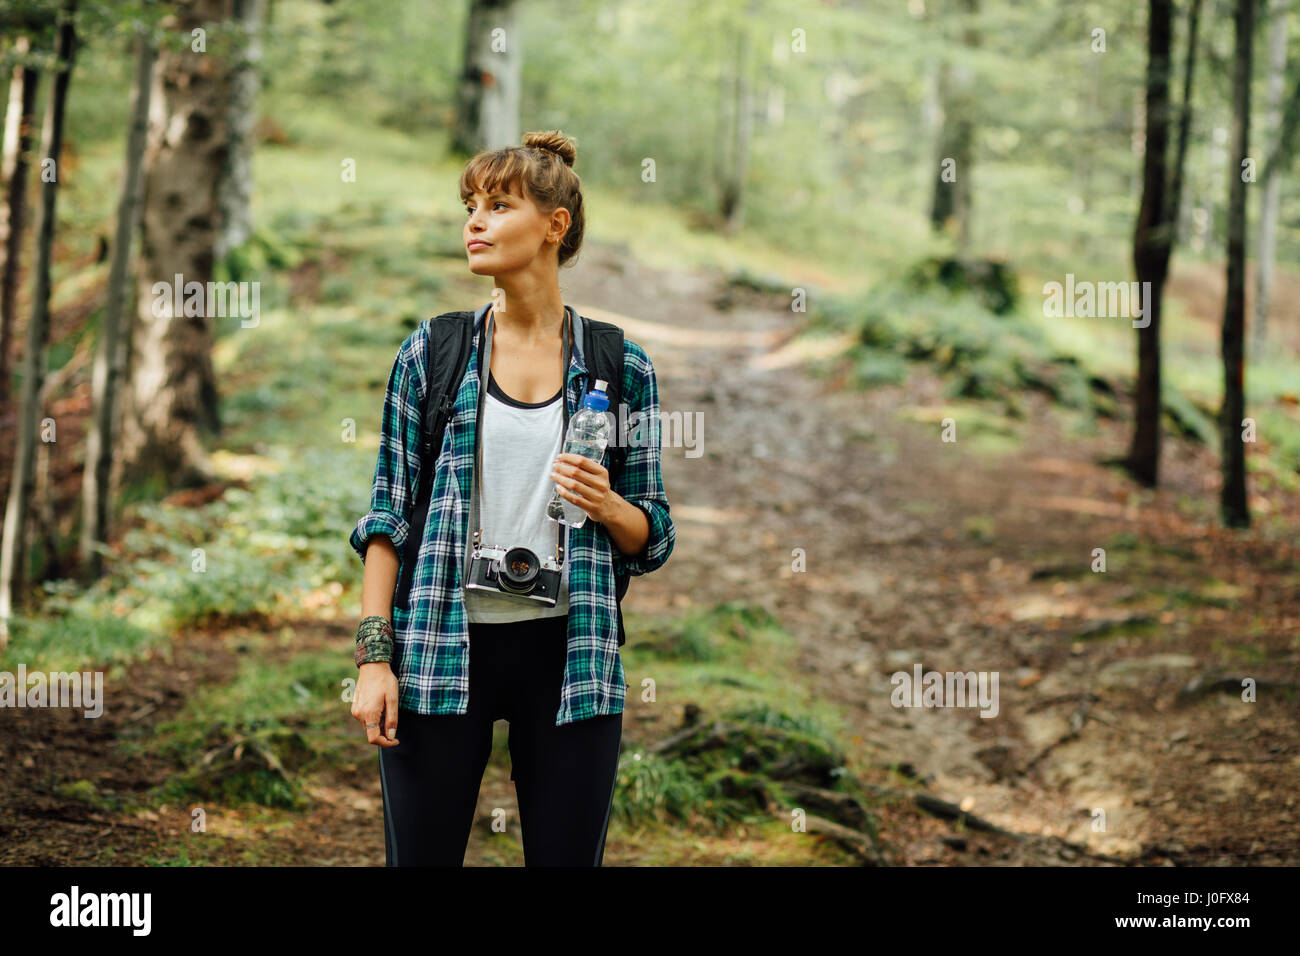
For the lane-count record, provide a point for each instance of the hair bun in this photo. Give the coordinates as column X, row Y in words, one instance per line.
column 554, row 141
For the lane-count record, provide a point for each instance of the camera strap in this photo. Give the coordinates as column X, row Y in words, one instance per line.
column 484, row 368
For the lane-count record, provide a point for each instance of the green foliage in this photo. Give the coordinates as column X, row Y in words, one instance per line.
column 85, row 792
column 706, row 634
column 936, row 314
column 991, row 282
column 251, row 740
column 72, row 634
column 763, row 714
column 983, row 354
column 651, row 788
column 265, row 251
column 874, row 368
column 731, row 770
column 1186, row 419
column 303, row 690
column 247, row 556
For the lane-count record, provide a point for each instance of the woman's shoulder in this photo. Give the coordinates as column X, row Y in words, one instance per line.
column 414, row 350
column 638, row 369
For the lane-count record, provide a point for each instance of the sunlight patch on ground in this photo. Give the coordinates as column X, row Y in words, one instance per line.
column 645, row 330
column 1078, row 505
column 238, row 467
column 707, row 515
column 804, row 349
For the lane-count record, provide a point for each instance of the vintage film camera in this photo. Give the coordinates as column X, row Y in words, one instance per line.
column 515, row 571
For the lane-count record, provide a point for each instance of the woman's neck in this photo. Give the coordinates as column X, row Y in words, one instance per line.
column 529, row 329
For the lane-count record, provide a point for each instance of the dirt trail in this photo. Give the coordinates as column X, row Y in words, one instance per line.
column 921, row 551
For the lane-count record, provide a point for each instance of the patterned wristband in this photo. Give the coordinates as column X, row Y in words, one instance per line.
column 375, row 624
column 367, row 653
column 374, row 640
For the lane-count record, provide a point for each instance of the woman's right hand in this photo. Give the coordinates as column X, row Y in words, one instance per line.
column 375, row 703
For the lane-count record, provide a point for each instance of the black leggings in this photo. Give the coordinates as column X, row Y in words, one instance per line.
column 564, row 776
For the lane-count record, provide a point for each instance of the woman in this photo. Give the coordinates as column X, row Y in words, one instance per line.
column 435, row 675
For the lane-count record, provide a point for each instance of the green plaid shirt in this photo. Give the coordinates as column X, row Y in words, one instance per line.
column 432, row 647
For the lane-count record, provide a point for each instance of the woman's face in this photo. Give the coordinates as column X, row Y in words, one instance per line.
column 514, row 230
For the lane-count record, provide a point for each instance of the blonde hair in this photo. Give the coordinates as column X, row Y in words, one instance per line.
column 543, row 167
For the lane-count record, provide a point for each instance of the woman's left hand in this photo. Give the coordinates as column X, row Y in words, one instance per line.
column 584, row 483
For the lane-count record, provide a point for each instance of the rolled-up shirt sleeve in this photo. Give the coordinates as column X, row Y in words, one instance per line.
column 641, row 481
column 397, row 467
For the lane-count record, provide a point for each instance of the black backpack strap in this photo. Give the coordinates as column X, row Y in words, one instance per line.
column 602, row 351
column 446, row 356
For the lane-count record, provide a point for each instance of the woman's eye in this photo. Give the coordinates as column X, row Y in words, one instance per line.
column 469, row 210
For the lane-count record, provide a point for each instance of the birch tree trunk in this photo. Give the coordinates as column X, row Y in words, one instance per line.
column 171, row 396
column 13, row 216
column 13, row 549
column 487, row 97
column 235, row 187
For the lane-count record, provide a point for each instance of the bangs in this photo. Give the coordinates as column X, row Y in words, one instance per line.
column 502, row 171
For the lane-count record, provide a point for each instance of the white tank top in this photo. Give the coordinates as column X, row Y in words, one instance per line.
column 520, row 441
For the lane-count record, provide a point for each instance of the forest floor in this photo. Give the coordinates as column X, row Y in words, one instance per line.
column 955, row 556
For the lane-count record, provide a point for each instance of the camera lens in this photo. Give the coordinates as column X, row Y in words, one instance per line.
column 519, row 570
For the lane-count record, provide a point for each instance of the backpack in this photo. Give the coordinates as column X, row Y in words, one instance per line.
column 450, row 335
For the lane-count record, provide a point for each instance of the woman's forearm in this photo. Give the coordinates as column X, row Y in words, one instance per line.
column 627, row 525
column 379, row 578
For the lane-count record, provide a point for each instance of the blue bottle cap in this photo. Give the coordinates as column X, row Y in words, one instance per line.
column 597, row 398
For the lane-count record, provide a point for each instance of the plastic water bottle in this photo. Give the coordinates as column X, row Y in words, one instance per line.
column 588, row 435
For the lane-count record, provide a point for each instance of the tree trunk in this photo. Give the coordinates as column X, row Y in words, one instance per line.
column 1175, row 199
column 236, row 182
column 487, row 97
column 950, row 207
column 1268, row 210
column 1232, row 502
column 733, row 184
column 1178, row 209
column 110, row 356
column 171, row 395
column 1151, row 247
column 13, row 549
column 13, row 217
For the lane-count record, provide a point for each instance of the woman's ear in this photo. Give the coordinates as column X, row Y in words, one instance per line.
column 559, row 225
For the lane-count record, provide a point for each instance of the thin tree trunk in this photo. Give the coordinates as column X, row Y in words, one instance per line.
column 1175, row 200
column 1151, row 247
column 950, row 207
column 110, row 355
column 1232, row 503
column 733, row 188
column 13, row 551
column 13, row 218
column 1268, row 212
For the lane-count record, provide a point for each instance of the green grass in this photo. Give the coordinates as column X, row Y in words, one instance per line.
column 254, row 739
column 67, row 638
column 738, row 657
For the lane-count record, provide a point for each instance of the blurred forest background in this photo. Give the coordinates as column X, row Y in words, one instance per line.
column 835, row 227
